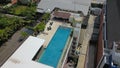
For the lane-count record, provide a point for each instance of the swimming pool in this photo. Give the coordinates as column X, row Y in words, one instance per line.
column 53, row 52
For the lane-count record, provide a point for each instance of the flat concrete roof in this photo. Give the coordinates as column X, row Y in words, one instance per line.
column 73, row 5
column 22, row 57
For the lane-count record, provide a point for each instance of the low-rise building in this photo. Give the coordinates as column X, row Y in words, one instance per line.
column 70, row 5
column 23, row 56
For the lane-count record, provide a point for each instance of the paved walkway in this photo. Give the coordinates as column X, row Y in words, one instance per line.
column 9, row 47
column 83, row 51
column 82, row 33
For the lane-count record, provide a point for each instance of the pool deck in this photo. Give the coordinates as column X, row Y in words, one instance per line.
column 48, row 34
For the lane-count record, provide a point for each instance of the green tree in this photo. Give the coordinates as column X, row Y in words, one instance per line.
column 40, row 27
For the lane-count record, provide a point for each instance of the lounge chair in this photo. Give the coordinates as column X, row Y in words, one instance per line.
column 49, row 28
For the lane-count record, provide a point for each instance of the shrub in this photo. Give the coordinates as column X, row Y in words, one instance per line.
column 40, row 27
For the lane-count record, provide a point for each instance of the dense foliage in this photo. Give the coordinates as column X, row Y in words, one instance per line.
column 22, row 15
column 27, row 11
column 46, row 16
column 40, row 27
column 8, row 25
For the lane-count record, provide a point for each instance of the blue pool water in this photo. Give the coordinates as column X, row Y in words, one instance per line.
column 53, row 52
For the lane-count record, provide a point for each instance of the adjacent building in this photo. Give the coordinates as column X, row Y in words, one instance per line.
column 23, row 56
column 69, row 5
column 110, row 37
